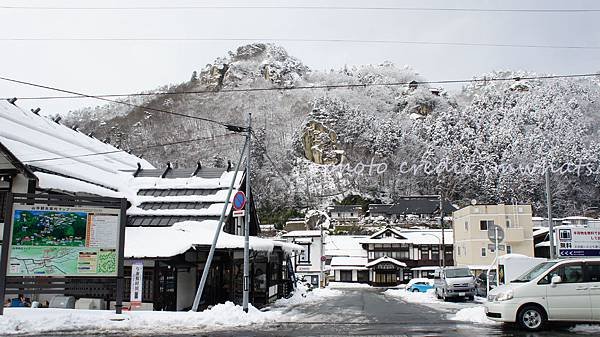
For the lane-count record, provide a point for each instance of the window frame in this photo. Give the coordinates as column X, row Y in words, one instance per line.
column 487, row 224
column 307, row 261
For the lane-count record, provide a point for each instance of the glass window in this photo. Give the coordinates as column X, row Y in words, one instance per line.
column 485, row 224
column 570, row 273
column 304, row 254
column 346, row 275
column 593, row 270
column 466, row 225
column 535, row 272
column 483, row 252
column 508, row 249
column 507, row 223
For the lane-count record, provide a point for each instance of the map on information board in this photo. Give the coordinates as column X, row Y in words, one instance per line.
column 63, row 241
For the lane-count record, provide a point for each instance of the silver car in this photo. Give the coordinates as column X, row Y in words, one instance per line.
column 454, row 282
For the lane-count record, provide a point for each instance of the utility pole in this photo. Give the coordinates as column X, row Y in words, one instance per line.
column 550, row 223
column 443, row 252
column 211, row 253
column 321, row 262
column 247, row 217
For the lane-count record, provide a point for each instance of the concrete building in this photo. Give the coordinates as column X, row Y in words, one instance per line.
column 307, row 263
column 471, row 223
column 345, row 213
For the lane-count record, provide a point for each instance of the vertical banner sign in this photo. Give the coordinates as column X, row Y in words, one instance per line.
column 137, row 281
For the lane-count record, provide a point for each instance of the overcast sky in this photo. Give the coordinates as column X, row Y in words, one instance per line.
column 101, row 67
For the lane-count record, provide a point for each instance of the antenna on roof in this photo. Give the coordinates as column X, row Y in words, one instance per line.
column 139, row 169
column 198, row 168
column 106, row 140
column 228, row 165
column 75, row 127
column 57, row 119
column 169, row 168
column 91, row 134
column 12, row 100
column 36, row 111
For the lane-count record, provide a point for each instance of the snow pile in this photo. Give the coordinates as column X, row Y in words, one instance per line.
column 586, row 328
column 413, row 297
column 37, row 321
column 334, row 285
column 473, row 315
column 303, row 295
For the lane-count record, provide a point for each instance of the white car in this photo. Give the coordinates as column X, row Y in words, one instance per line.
column 566, row 290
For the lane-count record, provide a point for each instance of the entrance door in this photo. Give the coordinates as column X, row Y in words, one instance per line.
column 570, row 299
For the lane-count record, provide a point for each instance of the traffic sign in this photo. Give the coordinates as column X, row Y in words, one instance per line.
column 240, row 213
column 492, row 230
column 323, row 258
column 239, row 201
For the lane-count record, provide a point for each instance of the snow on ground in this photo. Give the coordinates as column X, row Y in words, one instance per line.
column 304, row 295
column 413, row 297
column 348, row 285
column 587, row 329
column 472, row 315
column 30, row 321
column 36, row 321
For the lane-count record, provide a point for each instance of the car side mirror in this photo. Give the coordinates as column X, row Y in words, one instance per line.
column 555, row 280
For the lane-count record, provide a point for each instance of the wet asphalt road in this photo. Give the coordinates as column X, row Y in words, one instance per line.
column 368, row 312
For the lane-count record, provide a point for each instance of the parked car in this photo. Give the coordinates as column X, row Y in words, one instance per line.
column 481, row 283
column 454, row 282
column 419, row 285
column 565, row 290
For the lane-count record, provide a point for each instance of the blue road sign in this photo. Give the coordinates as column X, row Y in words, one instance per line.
column 579, row 252
column 239, row 201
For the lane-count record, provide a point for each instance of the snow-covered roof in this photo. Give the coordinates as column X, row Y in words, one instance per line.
column 344, row 245
column 338, row 261
column 416, row 237
column 303, row 233
column 41, row 143
column 385, row 259
column 145, row 242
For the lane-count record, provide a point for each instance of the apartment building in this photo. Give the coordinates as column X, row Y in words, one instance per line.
column 471, row 223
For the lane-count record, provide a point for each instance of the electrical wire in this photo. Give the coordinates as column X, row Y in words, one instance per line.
column 131, row 149
column 115, row 101
column 343, row 8
column 309, row 87
column 364, row 41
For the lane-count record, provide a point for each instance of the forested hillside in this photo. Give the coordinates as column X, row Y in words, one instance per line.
column 489, row 142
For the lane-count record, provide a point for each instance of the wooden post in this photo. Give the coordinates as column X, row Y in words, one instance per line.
column 121, row 259
column 5, row 245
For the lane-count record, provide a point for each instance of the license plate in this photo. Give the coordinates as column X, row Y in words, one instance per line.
column 462, row 294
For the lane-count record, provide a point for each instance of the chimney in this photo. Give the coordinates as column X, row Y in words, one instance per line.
column 36, row 111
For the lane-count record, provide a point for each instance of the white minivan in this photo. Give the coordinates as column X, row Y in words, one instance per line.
column 565, row 290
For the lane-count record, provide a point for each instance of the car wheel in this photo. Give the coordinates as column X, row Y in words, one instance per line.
column 437, row 294
column 415, row 290
column 531, row 318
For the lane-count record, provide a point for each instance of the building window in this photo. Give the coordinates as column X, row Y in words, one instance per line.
column 466, row 225
column 424, row 253
column 304, row 256
column 508, row 223
column 508, row 249
column 351, row 214
column 485, row 224
column 483, row 252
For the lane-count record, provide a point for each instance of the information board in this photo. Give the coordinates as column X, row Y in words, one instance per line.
column 63, row 241
column 578, row 241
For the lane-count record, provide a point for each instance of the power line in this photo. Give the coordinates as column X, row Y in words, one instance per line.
column 131, row 149
column 331, row 86
column 115, row 101
column 364, row 41
column 342, row 8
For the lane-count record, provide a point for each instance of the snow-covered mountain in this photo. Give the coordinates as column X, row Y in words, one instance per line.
column 379, row 141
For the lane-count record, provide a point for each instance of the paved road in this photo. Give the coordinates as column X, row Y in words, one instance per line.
column 368, row 312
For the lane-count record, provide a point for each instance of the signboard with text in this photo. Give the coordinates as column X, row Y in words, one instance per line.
column 63, row 241
column 578, row 242
column 137, row 282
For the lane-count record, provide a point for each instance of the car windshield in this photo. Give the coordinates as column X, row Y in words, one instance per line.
column 535, row 272
column 462, row 272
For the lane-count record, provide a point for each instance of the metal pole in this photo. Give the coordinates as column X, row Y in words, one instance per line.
column 6, row 236
column 497, row 267
column 121, row 265
column 443, row 252
column 211, row 253
column 550, row 223
column 247, row 217
column 322, row 283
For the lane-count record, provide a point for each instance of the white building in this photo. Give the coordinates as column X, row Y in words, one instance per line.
column 308, row 262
